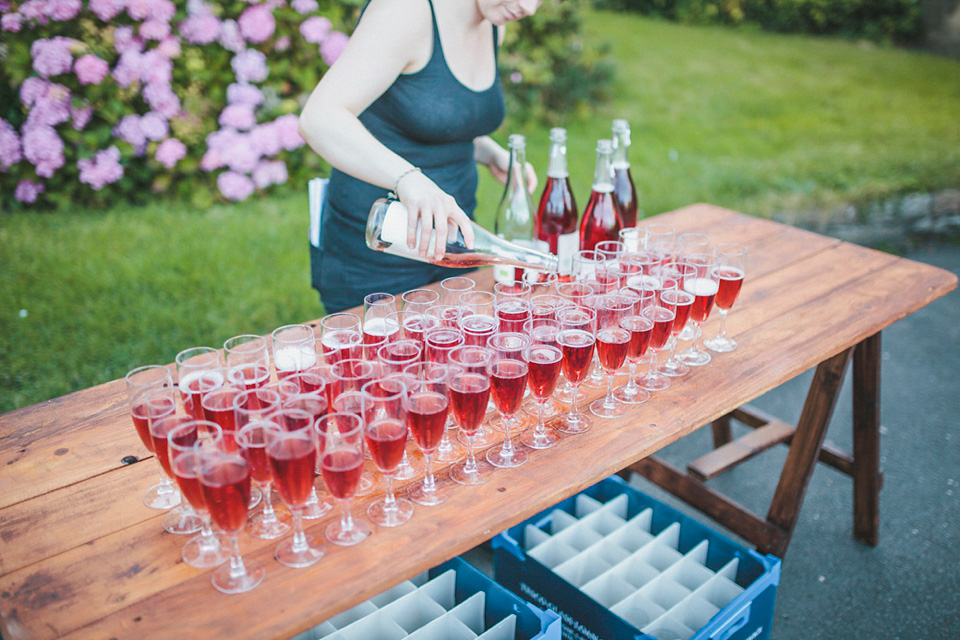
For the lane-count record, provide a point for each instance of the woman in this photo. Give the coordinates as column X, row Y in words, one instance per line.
column 407, row 107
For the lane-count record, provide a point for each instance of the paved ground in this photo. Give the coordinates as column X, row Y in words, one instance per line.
column 907, row 587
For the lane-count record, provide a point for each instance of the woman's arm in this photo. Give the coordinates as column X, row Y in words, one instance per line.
column 376, row 54
column 487, row 152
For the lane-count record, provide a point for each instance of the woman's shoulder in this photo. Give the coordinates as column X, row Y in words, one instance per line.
column 402, row 18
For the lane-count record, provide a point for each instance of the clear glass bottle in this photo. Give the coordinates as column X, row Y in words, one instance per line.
column 387, row 232
column 514, row 221
column 556, row 220
column 601, row 217
column 624, row 189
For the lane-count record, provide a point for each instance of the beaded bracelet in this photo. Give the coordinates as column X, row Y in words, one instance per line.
column 396, row 185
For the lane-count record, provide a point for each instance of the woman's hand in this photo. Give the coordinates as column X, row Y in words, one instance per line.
column 487, row 152
column 434, row 209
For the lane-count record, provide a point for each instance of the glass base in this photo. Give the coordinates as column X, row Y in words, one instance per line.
column 410, row 467
column 181, row 522
column 449, row 450
column 347, row 537
column 315, row 507
column 673, row 368
column 460, row 475
column 600, row 409
column 550, row 409
column 654, row 382
column 369, row 482
column 259, row 527
column 227, row 583
column 401, row 513
column 564, row 394
column 483, row 438
column 720, row 344
column 694, row 358
column 162, row 496
column 507, row 459
column 636, row 395
column 204, row 554
column 296, row 559
column 687, row 333
column 596, row 380
column 574, row 424
column 534, row 440
column 255, row 498
column 442, row 490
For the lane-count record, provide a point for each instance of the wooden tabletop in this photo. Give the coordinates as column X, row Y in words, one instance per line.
column 81, row 557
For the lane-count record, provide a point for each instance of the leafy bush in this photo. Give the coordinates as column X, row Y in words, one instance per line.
column 880, row 20
column 112, row 101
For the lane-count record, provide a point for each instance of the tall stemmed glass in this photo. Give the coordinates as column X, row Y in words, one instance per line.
column 542, row 330
column 203, row 550
column 254, row 404
column 199, row 370
column 704, row 286
column 453, row 287
column 640, row 329
column 469, row 394
column 376, row 308
column 300, row 411
column 729, row 262
column 419, row 300
column 341, row 337
column 225, row 479
column 293, row 459
column 508, row 381
column 426, row 406
column 541, row 282
column 413, row 325
column 386, row 436
column 248, row 361
column 680, row 302
column 161, row 407
column 252, row 440
column 576, row 340
column 393, row 358
column 662, row 319
column 612, row 342
column 440, row 342
column 544, row 362
column 512, row 313
column 341, row 460
column 655, row 233
column 141, row 381
column 294, row 349
column 478, row 320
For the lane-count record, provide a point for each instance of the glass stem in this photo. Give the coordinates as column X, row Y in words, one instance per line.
column 723, row 323
column 166, row 484
column 389, row 500
column 207, row 539
column 269, row 514
column 299, row 542
column 470, row 466
column 573, row 402
column 507, row 450
column 346, row 519
column 429, row 484
column 631, row 389
column 237, row 568
column 609, row 401
column 541, row 429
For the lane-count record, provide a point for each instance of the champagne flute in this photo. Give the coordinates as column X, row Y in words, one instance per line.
column 680, row 302
column 516, row 289
column 161, row 408
column 293, row 460
column 585, row 262
column 419, row 300
column 541, row 282
column 656, row 232
column 225, row 480
column 254, row 404
column 252, row 440
column 662, row 319
column 140, row 381
column 294, row 349
column 341, row 460
column 426, row 406
column 341, row 337
column 395, row 356
column 640, row 329
column 478, row 320
column 512, row 312
column 248, row 361
column 199, row 369
column 203, row 550
column 612, row 342
column 360, row 404
column 508, row 380
column 544, row 362
column 386, row 436
column 440, row 341
column 300, row 411
column 729, row 262
column 469, row 395
column 413, row 324
column 376, row 308
column 576, row 340
column 546, row 305
column 349, row 374
column 703, row 284
column 453, row 287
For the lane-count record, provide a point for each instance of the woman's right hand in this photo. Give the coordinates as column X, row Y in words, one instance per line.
column 434, row 209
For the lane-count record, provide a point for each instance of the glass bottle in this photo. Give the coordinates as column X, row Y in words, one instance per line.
column 556, row 221
column 514, row 221
column 624, row 190
column 387, row 231
column 601, row 217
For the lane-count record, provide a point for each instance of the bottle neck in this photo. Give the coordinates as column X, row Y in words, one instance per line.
column 602, row 175
column 621, row 144
column 558, row 161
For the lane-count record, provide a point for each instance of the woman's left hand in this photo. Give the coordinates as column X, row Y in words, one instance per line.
column 501, row 175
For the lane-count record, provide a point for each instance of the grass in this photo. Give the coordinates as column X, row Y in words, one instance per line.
column 753, row 121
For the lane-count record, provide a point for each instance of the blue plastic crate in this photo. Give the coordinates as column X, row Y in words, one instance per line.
column 616, row 563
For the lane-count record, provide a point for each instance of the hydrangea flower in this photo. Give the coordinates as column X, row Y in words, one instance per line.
column 162, row 10
column 304, row 6
column 170, row 152
column 90, row 69
column 287, row 128
column 103, row 169
column 10, row 152
column 265, row 139
column 169, row 47
column 155, row 69
column 315, row 29
column 61, row 10
column 80, row 116
column 106, row 10
column 235, row 186
column 139, row 10
column 43, row 148
column 50, row 109
column 269, row 172
column 250, row 66
column 124, row 39
column 11, row 22
column 211, row 160
column 200, row 29
column 27, row 191
column 128, row 129
column 230, row 37
column 282, row 43
column 32, row 89
column 35, row 11
column 244, row 94
column 154, row 126
column 162, row 99
column 128, row 68
column 238, row 116
column 154, row 29
column 332, row 46
column 257, row 23
column 52, row 56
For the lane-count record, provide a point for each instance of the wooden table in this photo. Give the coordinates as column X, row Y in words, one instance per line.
column 81, row 557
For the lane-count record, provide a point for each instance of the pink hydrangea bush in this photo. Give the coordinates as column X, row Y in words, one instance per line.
column 105, row 101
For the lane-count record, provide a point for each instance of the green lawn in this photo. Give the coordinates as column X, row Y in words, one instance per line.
column 749, row 120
